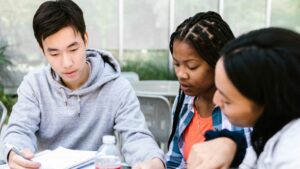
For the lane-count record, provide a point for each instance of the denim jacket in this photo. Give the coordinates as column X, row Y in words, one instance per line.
column 174, row 158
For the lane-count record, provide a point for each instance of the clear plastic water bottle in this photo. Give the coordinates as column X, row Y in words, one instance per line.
column 108, row 155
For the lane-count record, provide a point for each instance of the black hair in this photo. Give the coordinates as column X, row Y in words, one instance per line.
column 264, row 66
column 52, row 16
column 207, row 33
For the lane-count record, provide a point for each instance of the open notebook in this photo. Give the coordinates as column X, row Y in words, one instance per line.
column 63, row 158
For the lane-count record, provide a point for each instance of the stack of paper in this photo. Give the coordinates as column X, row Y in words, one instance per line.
column 63, row 158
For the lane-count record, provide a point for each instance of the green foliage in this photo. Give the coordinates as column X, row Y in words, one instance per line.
column 7, row 100
column 149, row 64
column 4, row 61
column 3, row 57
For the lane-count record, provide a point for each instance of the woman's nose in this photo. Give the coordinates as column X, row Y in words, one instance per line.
column 216, row 98
column 181, row 73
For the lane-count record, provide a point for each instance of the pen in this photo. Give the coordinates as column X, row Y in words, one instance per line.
column 14, row 149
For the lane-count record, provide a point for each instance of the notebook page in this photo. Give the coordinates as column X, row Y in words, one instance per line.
column 63, row 158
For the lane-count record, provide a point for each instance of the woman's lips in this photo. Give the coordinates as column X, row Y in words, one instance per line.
column 185, row 87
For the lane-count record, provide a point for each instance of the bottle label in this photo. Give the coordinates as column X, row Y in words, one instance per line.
column 108, row 162
column 98, row 167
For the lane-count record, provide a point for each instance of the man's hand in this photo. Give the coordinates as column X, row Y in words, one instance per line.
column 17, row 162
column 214, row 154
column 155, row 163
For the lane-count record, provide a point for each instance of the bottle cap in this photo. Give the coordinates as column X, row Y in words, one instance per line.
column 108, row 139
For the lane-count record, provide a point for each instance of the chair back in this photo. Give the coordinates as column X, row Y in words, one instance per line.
column 3, row 114
column 157, row 112
column 131, row 76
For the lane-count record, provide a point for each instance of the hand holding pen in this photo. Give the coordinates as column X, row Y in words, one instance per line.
column 21, row 159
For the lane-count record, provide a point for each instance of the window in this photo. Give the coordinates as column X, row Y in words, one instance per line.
column 146, row 26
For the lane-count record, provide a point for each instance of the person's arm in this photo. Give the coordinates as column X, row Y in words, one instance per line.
column 237, row 138
column 23, row 122
column 220, row 150
column 154, row 163
column 214, row 154
column 138, row 144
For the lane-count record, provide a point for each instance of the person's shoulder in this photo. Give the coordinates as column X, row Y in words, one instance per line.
column 34, row 80
column 281, row 151
column 122, row 80
column 290, row 130
column 120, row 84
column 37, row 74
column 287, row 137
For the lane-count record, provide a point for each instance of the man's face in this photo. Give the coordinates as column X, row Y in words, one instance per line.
column 65, row 52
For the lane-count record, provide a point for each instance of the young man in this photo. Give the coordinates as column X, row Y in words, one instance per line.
column 79, row 97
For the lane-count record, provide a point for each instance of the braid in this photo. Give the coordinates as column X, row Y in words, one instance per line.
column 207, row 32
column 180, row 100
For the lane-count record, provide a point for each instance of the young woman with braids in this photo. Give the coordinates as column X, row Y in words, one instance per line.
column 195, row 45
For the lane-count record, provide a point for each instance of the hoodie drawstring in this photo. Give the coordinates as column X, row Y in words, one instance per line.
column 78, row 110
column 64, row 96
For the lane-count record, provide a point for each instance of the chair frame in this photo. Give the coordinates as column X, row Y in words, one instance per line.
column 3, row 115
column 163, row 144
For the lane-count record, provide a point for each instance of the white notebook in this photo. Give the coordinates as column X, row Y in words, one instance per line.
column 63, row 158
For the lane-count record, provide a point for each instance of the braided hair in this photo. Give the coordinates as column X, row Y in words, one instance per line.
column 207, row 33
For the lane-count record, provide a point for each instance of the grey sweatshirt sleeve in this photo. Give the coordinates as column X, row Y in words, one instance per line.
column 138, row 143
column 24, row 120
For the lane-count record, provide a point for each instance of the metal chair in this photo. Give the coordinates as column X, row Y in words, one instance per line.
column 131, row 76
column 157, row 112
column 3, row 114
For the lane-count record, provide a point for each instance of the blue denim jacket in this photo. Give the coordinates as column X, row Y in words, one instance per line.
column 174, row 158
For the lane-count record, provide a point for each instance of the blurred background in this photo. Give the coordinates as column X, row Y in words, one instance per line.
column 135, row 31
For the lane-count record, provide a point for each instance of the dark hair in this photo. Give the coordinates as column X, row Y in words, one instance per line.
column 52, row 16
column 207, row 33
column 264, row 65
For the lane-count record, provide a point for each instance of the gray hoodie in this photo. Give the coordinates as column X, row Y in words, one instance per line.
column 48, row 115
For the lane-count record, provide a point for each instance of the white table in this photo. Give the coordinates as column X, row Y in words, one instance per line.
column 167, row 88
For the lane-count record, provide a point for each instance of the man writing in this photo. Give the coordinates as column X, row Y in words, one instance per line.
column 77, row 98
